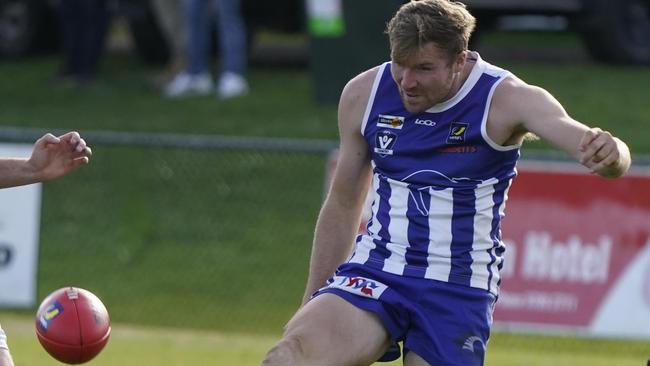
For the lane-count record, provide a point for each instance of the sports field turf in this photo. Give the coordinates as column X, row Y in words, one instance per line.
column 139, row 346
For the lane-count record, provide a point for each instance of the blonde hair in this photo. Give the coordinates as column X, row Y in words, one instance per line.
column 446, row 23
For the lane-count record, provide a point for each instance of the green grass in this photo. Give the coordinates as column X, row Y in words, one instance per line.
column 131, row 345
column 281, row 103
column 122, row 99
column 213, row 233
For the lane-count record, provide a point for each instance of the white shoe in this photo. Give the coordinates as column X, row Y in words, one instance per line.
column 185, row 84
column 231, row 85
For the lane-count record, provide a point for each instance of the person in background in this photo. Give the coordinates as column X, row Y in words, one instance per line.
column 52, row 158
column 196, row 79
column 170, row 18
column 84, row 26
column 435, row 135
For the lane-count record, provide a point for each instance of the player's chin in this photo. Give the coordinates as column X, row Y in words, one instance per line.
column 415, row 107
column 415, row 104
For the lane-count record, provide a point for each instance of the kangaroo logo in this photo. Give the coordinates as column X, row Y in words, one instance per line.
column 420, row 194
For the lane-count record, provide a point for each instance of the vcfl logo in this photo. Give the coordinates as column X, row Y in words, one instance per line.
column 384, row 142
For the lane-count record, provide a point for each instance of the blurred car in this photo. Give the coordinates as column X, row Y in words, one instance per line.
column 613, row 31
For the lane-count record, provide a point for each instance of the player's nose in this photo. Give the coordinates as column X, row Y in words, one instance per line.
column 408, row 79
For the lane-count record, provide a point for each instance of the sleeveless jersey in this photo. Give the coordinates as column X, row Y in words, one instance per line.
column 439, row 182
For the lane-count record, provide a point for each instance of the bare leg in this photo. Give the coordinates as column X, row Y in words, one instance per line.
column 413, row 359
column 329, row 331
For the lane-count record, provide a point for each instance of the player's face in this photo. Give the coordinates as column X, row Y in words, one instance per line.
column 427, row 78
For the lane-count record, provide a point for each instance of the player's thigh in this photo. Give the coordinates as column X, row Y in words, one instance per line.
column 413, row 359
column 328, row 327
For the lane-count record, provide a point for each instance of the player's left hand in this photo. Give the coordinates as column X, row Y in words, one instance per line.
column 54, row 157
column 599, row 151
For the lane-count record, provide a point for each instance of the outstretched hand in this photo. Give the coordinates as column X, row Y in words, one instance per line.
column 54, row 157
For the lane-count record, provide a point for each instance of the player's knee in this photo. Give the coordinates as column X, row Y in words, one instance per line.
column 288, row 352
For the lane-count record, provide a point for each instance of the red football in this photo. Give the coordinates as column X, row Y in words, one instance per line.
column 73, row 325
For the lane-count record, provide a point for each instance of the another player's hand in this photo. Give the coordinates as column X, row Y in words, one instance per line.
column 54, row 157
column 599, row 152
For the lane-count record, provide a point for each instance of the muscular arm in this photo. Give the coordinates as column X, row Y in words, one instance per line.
column 339, row 217
column 518, row 108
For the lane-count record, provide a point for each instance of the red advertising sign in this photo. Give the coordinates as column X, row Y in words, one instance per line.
column 574, row 241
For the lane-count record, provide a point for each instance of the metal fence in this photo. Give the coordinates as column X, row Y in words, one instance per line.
column 192, row 231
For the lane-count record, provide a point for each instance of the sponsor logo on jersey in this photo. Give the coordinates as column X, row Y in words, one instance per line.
column 358, row 285
column 425, row 122
column 384, row 141
column 50, row 313
column 457, row 132
column 387, row 121
column 463, row 149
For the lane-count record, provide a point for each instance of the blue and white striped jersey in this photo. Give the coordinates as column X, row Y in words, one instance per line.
column 440, row 184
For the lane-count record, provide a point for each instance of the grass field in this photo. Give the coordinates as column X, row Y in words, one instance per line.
column 281, row 103
column 131, row 345
column 166, row 236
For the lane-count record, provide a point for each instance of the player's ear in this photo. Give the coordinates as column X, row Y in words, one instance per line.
column 459, row 61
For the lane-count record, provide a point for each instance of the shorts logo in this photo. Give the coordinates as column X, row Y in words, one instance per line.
column 386, row 121
column 475, row 347
column 50, row 313
column 472, row 342
column 384, row 141
column 457, row 132
column 358, row 286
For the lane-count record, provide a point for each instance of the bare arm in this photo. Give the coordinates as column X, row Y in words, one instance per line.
column 52, row 158
column 339, row 217
column 518, row 108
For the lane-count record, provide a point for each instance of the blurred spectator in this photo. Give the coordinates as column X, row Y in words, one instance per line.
column 84, row 25
column 170, row 17
column 196, row 78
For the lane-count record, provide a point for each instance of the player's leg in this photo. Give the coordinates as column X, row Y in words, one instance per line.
column 329, row 331
column 413, row 359
column 5, row 356
column 449, row 326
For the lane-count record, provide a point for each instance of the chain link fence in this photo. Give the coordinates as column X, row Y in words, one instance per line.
column 188, row 231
